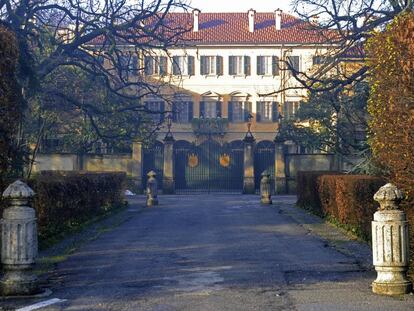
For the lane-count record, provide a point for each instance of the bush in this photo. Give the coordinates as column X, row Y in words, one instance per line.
column 349, row 200
column 391, row 105
column 307, row 190
column 66, row 199
column 346, row 199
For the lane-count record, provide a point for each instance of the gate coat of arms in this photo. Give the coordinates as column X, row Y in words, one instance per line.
column 192, row 160
column 224, row 160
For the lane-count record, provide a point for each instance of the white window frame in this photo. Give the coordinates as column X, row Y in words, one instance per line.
column 242, row 102
column 182, row 64
column 211, row 65
column 267, row 63
column 239, row 65
column 157, row 105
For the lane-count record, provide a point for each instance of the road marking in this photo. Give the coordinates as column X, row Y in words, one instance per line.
column 41, row 304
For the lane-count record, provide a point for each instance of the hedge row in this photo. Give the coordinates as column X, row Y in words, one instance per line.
column 347, row 199
column 66, row 199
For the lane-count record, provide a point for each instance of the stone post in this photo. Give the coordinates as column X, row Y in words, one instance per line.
column 248, row 176
column 390, row 244
column 280, row 170
column 152, row 189
column 265, row 189
column 137, row 166
column 19, row 242
column 168, row 183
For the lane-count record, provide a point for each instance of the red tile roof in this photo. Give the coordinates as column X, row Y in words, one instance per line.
column 233, row 28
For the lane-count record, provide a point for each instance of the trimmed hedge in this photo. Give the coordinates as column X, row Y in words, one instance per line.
column 307, row 189
column 66, row 199
column 347, row 199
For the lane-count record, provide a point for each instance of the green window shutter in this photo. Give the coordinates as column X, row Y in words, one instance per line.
column 190, row 111
column 230, row 113
column 260, row 66
column 247, row 69
column 162, row 110
column 275, row 112
column 163, row 65
column 218, row 109
column 134, row 65
column 148, row 65
column 247, row 110
column 258, row 111
column 202, row 110
column 203, row 65
column 190, row 63
column 294, row 62
column 219, row 64
column 176, row 68
column 174, row 112
column 275, row 65
column 232, row 70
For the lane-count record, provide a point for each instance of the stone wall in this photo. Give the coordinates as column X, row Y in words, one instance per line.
column 132, row 164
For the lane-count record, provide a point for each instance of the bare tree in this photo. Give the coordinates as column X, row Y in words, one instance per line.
column 103, row 40
column 345, row 26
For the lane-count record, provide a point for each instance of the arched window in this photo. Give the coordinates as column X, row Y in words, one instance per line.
column 210, row 106
column 182, row 108
column 239, row 107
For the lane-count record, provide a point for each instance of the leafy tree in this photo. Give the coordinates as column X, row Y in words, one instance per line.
column 331, row 121
column 10, row 105
column 391, row 102
column 391, row 106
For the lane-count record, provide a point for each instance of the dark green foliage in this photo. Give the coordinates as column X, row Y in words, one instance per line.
column 335, row 119
column 10, row 105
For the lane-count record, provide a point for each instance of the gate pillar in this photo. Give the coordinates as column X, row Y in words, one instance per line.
column 280, row 170
column 248, row 176
column 168, row 168
column 137, row 166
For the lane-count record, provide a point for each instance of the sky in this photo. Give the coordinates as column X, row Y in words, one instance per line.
column 241, row 5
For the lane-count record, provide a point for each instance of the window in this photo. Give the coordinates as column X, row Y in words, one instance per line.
column 210, row 109
column 267, row 111
column 239, row 65
column 155, row 65
column 211, row 65
column 294, row 62
column 183, row 65
column 155, row 109
column 239, row 110
column 128, row 64
column 267, row 65
column 182, row 109
column 320, row 59
column 290, row 109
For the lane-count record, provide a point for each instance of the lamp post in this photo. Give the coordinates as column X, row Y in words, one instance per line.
column 168, row 182
column 280, row 171
column 248, row 177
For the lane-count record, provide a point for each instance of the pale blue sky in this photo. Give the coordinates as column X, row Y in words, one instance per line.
column 241, row 5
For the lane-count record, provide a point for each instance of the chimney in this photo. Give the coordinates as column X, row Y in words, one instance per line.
column 196, row 13
column 278, row 19
column 251, row 14
column 314, row 20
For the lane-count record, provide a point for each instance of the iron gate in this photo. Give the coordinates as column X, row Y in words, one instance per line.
column 208, row 167
column 264, row 161
column 153, row 161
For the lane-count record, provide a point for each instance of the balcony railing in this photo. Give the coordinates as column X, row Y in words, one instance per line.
column 210, row 126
